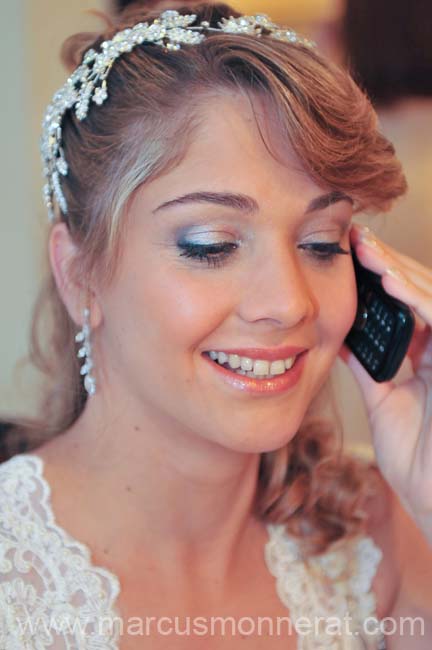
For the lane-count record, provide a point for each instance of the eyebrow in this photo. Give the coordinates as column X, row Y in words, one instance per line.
column 325, row 200
column 247, row 204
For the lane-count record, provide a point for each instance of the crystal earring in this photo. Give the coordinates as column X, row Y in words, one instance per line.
column 84, row 352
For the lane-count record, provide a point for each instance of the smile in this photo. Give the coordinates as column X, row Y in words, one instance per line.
column 256, row 368
column 258, row 380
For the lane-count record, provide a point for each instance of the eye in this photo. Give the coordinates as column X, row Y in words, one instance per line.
column 324, row 252
column 213, row 254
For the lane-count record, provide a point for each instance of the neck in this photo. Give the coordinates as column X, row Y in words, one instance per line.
column 171, row 493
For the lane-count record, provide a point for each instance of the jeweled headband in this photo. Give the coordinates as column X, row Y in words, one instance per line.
column 88, row 83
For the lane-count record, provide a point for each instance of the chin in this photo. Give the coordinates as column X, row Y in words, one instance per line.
column 264, row 441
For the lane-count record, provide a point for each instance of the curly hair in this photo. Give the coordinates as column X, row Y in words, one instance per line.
column 143, row 131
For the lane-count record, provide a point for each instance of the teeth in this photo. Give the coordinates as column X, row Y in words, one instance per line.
column 246, row 364
column 253, row 367
column 234, row 361
column 289, row 362
column 277, row 368
column 261, row 367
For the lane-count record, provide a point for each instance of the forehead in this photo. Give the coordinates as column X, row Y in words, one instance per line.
column 239, row 145
column 243, row 127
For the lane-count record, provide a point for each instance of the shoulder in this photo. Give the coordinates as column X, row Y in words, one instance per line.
column 17, row 466
column 406, row 556
column 41, row 565
column 20, row 492
column 20, row 497
column 19, row 469
column 23, row 497
column 378, row 509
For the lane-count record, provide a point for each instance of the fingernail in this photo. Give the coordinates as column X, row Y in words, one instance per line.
column 367, row 237
column 395, row 273
column 363, row 228
column 364, row 232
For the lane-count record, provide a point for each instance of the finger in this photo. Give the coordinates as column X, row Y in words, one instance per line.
column 377, row 259
column 414, row 288
column 418, row 350
column 411, row 293
column 406, row 261
column 421, row 303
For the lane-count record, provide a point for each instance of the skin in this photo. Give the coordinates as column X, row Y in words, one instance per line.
column 399, row 415
column 167, row 442
column 163, row 438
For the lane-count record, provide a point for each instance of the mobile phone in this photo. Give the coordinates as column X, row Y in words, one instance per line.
column 383, row 327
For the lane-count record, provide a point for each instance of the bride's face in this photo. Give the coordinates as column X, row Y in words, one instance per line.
column 265, row 283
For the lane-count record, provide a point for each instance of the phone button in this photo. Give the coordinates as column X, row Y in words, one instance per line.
column 361, row 316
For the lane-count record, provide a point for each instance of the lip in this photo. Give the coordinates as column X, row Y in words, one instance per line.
column 279, row 383
column 266, row 354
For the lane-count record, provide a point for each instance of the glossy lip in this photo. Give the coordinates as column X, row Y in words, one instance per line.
column 269, row 354
column 278, row 384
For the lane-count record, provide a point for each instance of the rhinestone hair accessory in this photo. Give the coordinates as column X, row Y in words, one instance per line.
column 88, row 83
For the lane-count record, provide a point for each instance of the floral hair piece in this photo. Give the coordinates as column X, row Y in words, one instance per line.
column 88, row 83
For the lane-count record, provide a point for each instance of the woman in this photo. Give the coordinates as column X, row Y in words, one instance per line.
column 202, row 224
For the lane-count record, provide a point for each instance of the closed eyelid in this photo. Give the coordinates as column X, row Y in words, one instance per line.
column 336, row 223
column 333, row 223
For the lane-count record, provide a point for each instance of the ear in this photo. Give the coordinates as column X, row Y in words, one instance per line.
column 75, row 293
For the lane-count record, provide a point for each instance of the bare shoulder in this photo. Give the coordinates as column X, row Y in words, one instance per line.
column 406, row 565
column 379, row 526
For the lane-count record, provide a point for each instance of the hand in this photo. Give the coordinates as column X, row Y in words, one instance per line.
column 400, row 415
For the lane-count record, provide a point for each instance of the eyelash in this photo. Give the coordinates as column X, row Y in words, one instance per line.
column 215, row 254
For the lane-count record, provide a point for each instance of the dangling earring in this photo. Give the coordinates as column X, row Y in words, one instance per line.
column 85, row 353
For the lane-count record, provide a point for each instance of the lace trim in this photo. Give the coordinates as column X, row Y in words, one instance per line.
column 63, row 584
column 63, row 587
column 324, row 588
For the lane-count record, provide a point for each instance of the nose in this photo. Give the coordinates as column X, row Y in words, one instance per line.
column 278, row 292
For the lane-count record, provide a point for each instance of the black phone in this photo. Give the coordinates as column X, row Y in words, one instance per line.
column 383, row 327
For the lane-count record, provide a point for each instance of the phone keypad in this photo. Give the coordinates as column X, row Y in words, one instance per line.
column 378, row 330
column 383, row 327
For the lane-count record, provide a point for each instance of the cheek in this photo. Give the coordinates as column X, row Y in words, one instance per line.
column 184, row 308
column 339, row 307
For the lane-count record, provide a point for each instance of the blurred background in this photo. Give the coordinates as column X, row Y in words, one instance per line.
column 386, row 43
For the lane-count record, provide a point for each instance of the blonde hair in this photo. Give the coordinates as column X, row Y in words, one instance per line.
column 143, row 130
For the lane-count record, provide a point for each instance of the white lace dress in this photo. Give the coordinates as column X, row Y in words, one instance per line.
column 52, row 596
